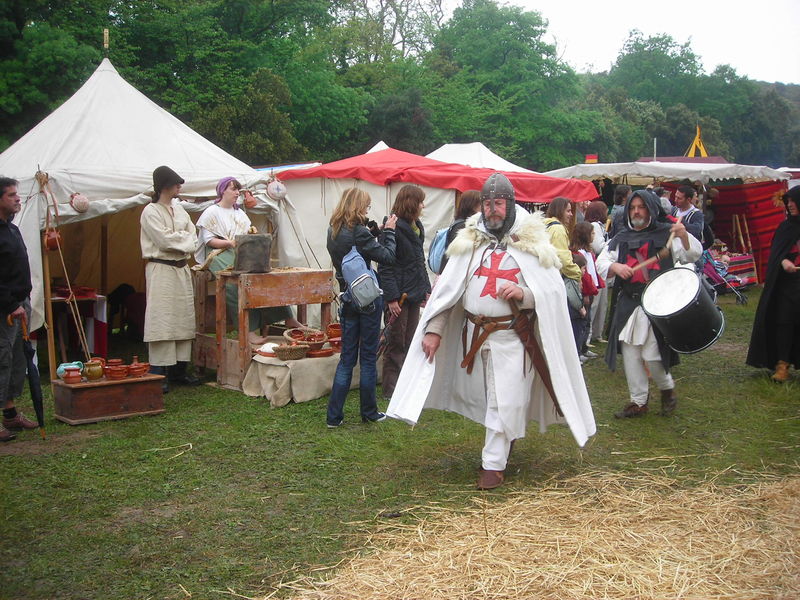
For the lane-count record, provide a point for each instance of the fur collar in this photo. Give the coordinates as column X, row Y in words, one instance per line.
column 529, row 230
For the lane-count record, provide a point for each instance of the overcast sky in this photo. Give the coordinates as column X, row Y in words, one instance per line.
column 760, row 39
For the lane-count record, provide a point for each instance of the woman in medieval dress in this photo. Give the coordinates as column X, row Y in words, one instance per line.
column 217, row 228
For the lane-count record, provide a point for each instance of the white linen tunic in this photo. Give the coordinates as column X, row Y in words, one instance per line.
column 170, row 296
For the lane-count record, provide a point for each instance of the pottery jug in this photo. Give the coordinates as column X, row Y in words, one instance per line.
column 93, row 369
column 62, row 368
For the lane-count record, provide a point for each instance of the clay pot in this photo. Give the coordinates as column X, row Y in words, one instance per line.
column 79, row 202
column 117, row 372
column 114, row 362
column 62, row 368
column 138, row 369
column 93, row 369
column 334, row 330
column 52, row 239
column 249, row 199
column 72, row 375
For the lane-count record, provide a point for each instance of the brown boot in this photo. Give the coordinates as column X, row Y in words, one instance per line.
column 631, row 410
column 6, row 435
column 18, row 423
column 488, row 480
column 669, row 402
column 781, row 372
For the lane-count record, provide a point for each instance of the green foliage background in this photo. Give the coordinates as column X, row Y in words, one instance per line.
column 273, row 81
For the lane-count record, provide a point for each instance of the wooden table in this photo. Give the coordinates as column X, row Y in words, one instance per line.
column 263, row 290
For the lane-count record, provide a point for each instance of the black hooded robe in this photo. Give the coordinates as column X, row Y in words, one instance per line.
column 629, row 295
column 763, row 351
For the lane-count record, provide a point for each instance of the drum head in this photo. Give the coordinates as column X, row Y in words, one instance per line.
column 670, row 291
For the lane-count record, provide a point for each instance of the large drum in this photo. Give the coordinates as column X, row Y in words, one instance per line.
column 682, row 310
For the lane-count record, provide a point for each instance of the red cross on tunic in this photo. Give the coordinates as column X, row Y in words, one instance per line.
column 493, row 273
column 795, row 252
column 640, row 255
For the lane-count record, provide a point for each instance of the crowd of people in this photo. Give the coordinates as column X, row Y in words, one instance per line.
column 501, row 334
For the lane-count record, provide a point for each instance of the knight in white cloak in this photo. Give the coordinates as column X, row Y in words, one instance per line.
column 168, row 239
column 494, row 342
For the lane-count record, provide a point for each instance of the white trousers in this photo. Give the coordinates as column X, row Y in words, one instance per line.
column 497, row 444
column 638, row 386
column 166, row 353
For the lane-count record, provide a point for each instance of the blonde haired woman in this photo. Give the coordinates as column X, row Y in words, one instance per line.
column 360, row 329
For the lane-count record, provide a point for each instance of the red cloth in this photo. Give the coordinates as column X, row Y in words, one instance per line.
column 760, row 204
column 386, row 166
column 588, row 288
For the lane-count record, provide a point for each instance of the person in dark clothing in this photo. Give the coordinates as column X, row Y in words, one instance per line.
column 15, row 289
column 469, row 204
column 360, row 329
column 775, row 341
column 407, row 275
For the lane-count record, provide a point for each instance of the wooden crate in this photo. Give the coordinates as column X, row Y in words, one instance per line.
column 104, row 400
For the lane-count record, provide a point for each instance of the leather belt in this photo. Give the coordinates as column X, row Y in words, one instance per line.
column 484, row 326
column 172, row 263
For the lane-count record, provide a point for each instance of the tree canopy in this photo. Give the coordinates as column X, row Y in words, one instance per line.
column 285, row 80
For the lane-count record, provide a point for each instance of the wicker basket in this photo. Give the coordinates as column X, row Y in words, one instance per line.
column 313, row 337
column 288, row 352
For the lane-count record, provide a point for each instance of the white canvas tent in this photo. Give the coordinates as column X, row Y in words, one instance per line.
column 104, row 142
column 670, row 171
column 475, row 155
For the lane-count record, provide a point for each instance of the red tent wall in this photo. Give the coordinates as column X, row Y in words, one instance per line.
column 762, row 209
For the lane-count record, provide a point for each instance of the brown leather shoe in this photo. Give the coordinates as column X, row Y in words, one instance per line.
column 6, row 435
column 19, row 422
column 488, row 479
column 669, row 402
column 631, row 410
column 781, row 374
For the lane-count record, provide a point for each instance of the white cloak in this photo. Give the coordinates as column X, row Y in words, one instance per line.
column 448, row 387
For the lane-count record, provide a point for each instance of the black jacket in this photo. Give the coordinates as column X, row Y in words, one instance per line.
column 408, row 273
column 15, row 272
column 382, row 252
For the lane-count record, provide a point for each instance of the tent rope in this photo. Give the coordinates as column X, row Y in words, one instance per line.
column 44, row 187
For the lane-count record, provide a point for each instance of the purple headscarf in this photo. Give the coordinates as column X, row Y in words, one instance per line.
column 221, row 186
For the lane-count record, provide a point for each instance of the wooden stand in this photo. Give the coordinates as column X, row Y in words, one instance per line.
column 262, row 290
column 105, row 400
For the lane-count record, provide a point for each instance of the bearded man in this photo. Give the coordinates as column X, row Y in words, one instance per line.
column 630, row 331
column 494, row 343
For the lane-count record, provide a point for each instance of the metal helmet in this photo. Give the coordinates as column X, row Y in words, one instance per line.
column 498, row 187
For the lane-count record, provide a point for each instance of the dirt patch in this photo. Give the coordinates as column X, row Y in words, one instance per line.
column 30, row 443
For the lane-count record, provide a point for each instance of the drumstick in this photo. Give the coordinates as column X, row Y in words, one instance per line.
column 658, row 255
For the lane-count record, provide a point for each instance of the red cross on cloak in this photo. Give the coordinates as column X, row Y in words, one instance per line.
column 493, row 273
column 640, row 255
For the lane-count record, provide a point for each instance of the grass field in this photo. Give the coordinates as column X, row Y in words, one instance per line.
column 223, row 494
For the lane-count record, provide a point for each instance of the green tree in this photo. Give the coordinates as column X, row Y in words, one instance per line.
column 656, row 68
column 253, row 125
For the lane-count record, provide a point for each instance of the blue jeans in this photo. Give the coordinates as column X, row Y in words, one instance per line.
column 360, row 336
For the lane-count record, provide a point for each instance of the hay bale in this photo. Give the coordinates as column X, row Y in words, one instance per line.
column 594, row 536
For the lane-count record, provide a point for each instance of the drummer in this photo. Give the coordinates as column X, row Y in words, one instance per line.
column 642, row 237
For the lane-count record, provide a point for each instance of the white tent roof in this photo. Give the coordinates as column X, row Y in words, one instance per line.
column 104, row 142
column 475, row 155
column 670, row 171
column 381, row 145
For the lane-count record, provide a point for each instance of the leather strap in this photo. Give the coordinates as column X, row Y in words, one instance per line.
column 524, row 327
column 171, row 263
column 484, row 327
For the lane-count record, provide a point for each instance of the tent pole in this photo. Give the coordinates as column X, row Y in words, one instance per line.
column 48, row 313
column 104, row 257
